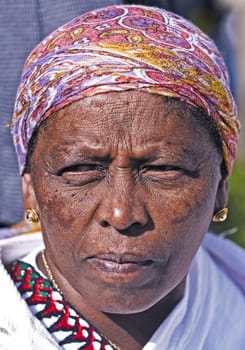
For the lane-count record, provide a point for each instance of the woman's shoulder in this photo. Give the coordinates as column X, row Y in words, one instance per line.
column 17, row 324
column 228, row 257
column 20, row 245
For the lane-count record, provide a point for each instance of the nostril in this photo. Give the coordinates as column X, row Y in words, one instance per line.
column 104, row 223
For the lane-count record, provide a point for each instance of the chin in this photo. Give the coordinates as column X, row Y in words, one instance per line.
column 126, row 303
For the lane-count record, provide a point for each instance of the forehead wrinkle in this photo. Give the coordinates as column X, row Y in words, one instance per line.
column 86, row 146
column 121, row 107
column 160, row 149
column 128, row 130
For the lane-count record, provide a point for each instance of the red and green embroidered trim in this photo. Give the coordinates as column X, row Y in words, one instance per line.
column 50, row 307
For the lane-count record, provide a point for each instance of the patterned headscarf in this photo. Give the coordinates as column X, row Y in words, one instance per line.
column 122, row 48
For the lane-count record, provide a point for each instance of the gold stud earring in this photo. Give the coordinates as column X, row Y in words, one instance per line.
column 221, row 215
column 32, row 216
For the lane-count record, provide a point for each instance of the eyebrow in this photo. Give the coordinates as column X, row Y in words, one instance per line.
column 89, row 150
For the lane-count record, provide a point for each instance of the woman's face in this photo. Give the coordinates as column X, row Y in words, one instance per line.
column 126, row 190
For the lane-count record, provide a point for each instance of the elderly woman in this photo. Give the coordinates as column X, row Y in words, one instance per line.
column 125, row 131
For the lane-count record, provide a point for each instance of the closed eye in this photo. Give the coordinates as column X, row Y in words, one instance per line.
column 82, row 174
column 80, row 168
column 161, row 168
column 168, row 171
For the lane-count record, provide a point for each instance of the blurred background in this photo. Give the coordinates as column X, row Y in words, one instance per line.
column 23, row 23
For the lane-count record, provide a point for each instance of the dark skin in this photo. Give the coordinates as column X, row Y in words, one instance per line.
column 126, row 188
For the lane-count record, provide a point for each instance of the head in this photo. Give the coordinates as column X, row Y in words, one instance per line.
column 137, row 185
column 131, row 131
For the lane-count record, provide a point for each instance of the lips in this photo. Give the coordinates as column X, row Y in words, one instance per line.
column 119, row 264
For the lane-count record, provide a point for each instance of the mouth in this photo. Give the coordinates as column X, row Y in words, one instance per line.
column 119, row 264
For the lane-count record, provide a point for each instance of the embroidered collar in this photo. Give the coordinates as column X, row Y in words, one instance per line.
column 50, row 307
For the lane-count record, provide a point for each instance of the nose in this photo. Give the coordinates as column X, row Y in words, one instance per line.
column 122, row 206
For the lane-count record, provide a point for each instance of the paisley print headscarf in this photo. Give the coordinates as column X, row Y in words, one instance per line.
column 122, row 48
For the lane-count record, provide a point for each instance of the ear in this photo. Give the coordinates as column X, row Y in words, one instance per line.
column 222, row 194
column 28, row 193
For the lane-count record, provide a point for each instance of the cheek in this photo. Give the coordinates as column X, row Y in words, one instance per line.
column 183, row 216
column 181, row 219
column 65, row 212
column 176, row 207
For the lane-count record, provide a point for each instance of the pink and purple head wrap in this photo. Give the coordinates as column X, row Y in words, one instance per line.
column 122, row 48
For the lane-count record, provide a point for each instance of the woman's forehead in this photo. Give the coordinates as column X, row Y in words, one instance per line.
column 132, row 117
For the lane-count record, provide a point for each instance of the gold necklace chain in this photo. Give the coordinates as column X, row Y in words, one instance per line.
column 49, row 272
column 54, row 283
column 111, row 343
